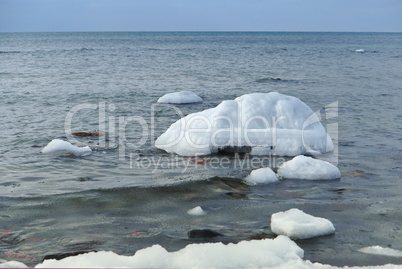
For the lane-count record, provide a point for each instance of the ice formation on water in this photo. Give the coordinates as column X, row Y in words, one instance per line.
column 283, row 124
column 360, row 50
column 184, row 97
column 378, row 250
column 302, row 167
column 261, row 175
column 278, row 253
column 58, row 146
column 299, row 225
column 196, row 211
column 245, row 254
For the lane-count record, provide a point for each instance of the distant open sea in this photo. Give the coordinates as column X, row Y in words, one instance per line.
column 117, row 199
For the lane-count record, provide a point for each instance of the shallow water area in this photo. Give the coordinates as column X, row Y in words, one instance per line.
column 128, row 195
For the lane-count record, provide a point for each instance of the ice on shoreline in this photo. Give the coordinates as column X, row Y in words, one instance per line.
column 183, row 97
column 196, row 211
column 298, row 225
column 378, row 250
column 303, row 167
column 261, row 176
column 264, row 253
column 278, row 253
column 283, row 124
column 58, row 147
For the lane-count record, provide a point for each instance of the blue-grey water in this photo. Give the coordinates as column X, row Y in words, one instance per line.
column 117, row 199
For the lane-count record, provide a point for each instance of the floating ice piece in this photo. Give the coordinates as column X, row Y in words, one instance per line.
column 299, row 225
column 266, row 253
column 378, row 250
column 58, row 146
column 302, row 167
column 184, row 97
column 261, row 175
column 275, row 121
column 360, row 50
column 196, row 211
column 12, row 264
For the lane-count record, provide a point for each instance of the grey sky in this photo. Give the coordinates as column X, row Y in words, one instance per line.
column 201, row 15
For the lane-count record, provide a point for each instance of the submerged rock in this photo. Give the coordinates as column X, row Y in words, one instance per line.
column 59, row 256
column 205, row 233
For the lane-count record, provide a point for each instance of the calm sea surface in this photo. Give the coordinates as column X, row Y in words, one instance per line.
column 121, row 199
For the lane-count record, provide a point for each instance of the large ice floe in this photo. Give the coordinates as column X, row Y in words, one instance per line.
column 59, row 147
column 298, row 225
column 261, row 176
column 184, row 97
column 278, row 253
column 303, row 167
column 272, row 122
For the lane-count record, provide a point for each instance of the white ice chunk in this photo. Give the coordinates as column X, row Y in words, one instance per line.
column 299, row 225
column 269, row 120
column 12, row 264
column 360, row 50
column 266, row 253
column 303, row 167
column 58, row 146
column 184, row 97
column 196, row 211
column 261, row 176
column 378, row 250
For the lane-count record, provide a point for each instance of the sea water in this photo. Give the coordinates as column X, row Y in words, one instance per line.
column 128, row 195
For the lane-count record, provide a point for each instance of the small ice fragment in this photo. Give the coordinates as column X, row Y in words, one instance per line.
column 184, row 97
column 12, row 264
column 260, row 176
column 302, row 167
column 58, row 146
column 299, row 225
column 378, row 250
column 196, row 211
column 360, row 50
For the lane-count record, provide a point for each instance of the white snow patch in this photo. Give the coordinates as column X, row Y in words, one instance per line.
column 266, row 253
column 299, row 225
column 261, row 176
column 184, row 97
column 58, row 147
column 269, row 120
column 196, row 211
column 303, row 167
column 378, row 250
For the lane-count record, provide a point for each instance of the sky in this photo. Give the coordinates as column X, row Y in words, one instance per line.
column 200, row 15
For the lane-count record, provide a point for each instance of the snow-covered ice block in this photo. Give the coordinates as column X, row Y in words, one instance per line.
column 303, row 167
column 58, row 146
column 299, row 225
column 266, row 253
column 196, row 211
column 279, row 123
column 184, row 97
column 261, row 176
column 378, row 250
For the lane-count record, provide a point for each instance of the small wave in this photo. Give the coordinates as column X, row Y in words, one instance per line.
column 9, row 51
column 273, row 80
